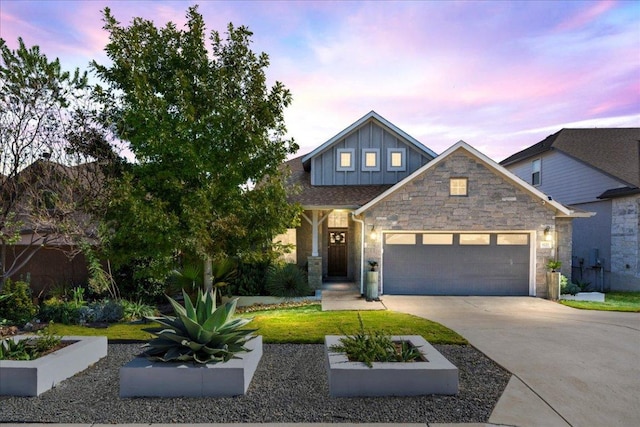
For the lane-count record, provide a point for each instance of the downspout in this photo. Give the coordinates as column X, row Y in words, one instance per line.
column 361, row 222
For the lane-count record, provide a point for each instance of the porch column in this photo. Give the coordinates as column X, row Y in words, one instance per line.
column 314, row 262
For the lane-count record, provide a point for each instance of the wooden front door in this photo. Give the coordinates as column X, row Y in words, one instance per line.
column 337, row 263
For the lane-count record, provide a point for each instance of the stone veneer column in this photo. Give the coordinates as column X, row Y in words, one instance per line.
column 314, row 272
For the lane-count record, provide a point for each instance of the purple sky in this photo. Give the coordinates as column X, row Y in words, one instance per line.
column 500, row 75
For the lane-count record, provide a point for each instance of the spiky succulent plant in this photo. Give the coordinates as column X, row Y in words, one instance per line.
column 200, row 333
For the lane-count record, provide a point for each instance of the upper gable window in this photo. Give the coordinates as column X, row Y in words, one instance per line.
column 458, row 187
column 535, row 172
column 370, row 159
column 396, row 159
column 346, row 160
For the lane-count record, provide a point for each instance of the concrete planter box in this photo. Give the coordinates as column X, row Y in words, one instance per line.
column 34, row 377
column 265, row 300
column 143, row 378
column 435, row 376
column 553, row 285
column 584, row 296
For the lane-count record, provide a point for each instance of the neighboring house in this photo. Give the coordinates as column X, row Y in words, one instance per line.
column 455, row 224
column 595, row 170
column 45, row 199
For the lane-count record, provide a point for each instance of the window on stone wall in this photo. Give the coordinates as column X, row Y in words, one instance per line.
column 458, row 187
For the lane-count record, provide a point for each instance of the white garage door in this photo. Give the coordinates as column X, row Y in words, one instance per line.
column 456, row 263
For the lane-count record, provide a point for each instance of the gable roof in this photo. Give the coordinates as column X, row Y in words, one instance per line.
column 490, row 164
column 614, row 151
column 328, row 196
column 370, row 116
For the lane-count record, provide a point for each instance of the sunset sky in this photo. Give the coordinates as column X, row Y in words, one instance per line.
column 499, row 75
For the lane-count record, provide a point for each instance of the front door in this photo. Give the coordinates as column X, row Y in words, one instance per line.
column 337, row 263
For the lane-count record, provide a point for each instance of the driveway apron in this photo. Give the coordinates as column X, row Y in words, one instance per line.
column 571, row 367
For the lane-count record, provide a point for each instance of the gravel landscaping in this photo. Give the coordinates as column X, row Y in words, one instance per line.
column 290, row 385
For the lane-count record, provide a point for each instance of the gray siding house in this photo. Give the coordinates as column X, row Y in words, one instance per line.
column 596, row 170
column 453, row 224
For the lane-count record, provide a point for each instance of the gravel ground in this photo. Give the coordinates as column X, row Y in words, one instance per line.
column 290, row 385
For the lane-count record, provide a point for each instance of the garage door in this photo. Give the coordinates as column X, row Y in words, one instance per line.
column 456, row 263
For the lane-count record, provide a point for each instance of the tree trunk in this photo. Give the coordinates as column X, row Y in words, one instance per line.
column 208, row 275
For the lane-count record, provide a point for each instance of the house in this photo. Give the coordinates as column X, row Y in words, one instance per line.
column 595, row 170
column 453, row 224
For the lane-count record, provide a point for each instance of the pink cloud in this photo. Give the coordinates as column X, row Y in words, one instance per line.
column 587, row 16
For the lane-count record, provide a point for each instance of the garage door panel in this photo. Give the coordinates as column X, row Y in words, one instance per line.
column 417, row 269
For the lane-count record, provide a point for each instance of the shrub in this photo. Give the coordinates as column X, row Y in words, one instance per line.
column 200, row 333
column 250, row 279
column 105, row 310
column 59, row 311
column 568, row 288
column 136, row 310
column 19, row 307
column 287, row 280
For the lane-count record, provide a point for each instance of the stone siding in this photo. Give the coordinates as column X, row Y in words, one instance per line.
column 625, row 243
column 492, row 204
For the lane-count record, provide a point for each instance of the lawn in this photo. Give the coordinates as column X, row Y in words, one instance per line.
column 613, row 301
column 306, row 324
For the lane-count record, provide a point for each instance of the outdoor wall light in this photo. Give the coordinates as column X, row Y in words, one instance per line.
column 373, row 234
column 547, row 234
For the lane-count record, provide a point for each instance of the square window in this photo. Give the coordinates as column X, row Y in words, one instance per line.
column 396, row 159
column 458, row 187
column 370, row 159
column 535, row 172
column 345, row 161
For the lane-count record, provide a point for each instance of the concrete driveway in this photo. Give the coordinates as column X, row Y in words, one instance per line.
column 571, row 367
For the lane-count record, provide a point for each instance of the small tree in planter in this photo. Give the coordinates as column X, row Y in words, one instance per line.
column 372, row 281
column 553, row 279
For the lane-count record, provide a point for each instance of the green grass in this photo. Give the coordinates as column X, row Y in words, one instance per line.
column 613, row 301
column 307, row 324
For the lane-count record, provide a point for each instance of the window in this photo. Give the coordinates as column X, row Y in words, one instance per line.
column 437, row 239
column 396, row 159
column 338, row 219
column 400, row 239
column 345, row 161
column 370, row 159
column 475, row 239
column 513, row 239
column 535, row 172
column 458, row 186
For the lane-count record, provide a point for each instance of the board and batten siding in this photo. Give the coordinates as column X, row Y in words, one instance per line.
column 369, row 135
column 565, row 179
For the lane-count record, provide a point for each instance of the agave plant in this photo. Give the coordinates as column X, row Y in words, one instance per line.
column 200, row 333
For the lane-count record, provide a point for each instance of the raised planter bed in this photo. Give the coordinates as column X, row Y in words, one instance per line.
column 34, row 377
column 434, row 376
column 584, row 296
column 143, row 378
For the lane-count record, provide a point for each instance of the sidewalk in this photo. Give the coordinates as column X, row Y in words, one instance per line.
column 338, row 296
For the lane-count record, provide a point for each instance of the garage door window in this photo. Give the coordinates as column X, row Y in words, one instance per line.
column 513, row 239
column 475, row 239
column 401, row 239
column 437, row 239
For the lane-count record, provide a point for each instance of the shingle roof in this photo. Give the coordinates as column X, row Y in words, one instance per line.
column 614, row 151
column 329, row 196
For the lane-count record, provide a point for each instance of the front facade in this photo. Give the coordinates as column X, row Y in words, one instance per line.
column 596, row 170
column 454, row 224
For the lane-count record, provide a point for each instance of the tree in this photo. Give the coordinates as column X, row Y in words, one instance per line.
column 208, row 138
column 50, row 145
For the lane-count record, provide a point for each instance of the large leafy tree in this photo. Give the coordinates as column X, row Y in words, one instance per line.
column 51, row 153
column 208, row 138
